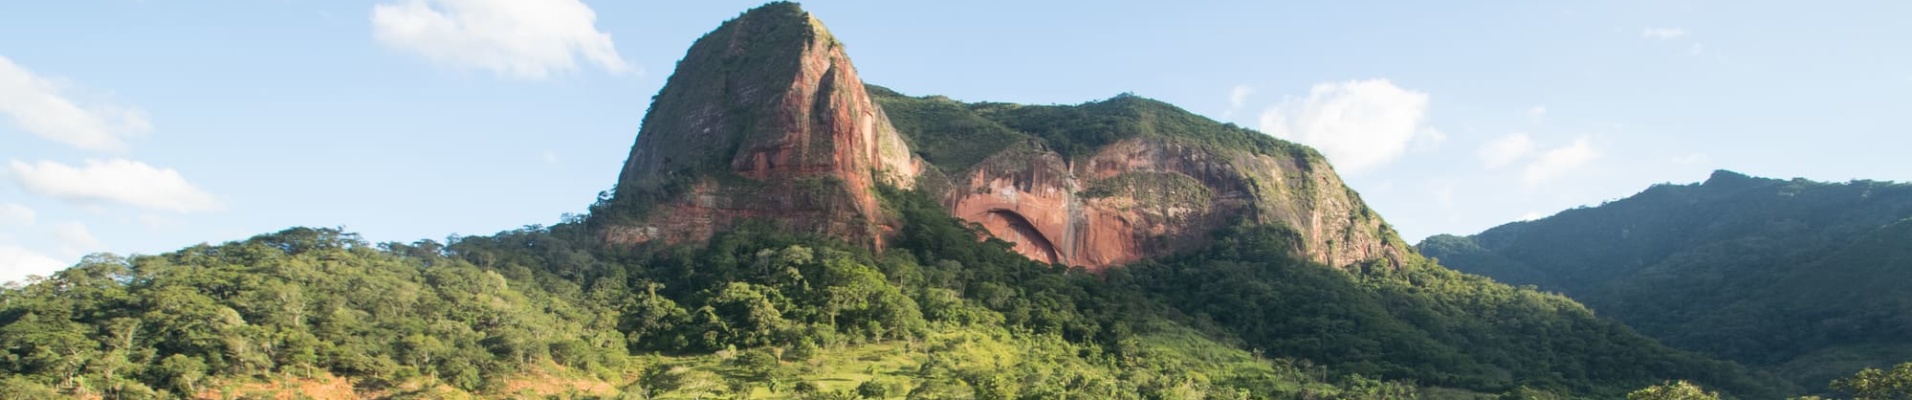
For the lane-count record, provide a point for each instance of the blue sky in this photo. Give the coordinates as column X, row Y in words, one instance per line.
column 145, row 126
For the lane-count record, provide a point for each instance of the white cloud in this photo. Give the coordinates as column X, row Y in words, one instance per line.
column 1505, row 150
column 1359, row 125
column 15, row 214
column 16, row 263
column 526, row 39
column 75, row 239
column 1444, row 195
column 550, row 157
column 1662, row 33
column 119, row 181
column 153, row 222
column 1429, row 140
column 1691, row 159
column 1537, row 112
column 41, row 106
column 1237, row 98
column 1560, row 161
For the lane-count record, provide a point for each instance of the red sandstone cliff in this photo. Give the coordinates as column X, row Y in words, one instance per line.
column 1150, row 197
column 764, row 118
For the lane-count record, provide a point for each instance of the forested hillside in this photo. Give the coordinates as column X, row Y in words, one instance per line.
column 781, row 231
column 769, row 315
column 1811, row 280
column 956, row 135
column 526, row 314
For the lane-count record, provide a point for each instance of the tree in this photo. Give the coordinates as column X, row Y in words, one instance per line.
column 52, row 346
column 747, row 315
column 1674, row 390
column 649, row 320
column 422, row 350
column 1876, row 384
column 19, row 387
column 874, row 389
column 182, row 373
column 759, row 366
column 575, row 353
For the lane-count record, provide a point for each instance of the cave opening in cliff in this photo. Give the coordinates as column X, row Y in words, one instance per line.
column 1013, row 227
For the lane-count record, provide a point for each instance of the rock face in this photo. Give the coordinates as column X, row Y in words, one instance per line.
column 1149, row 197
column 764, row 118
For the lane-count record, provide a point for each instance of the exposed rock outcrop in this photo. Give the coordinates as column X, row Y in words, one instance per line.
column 764, row 118
column 1150, row 197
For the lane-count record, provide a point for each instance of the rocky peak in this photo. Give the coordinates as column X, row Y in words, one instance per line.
column 1732, row 180
column 765, row 117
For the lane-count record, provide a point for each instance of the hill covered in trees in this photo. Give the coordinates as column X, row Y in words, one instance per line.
column 774, row 235
column 1811, row 280
column 761, row 313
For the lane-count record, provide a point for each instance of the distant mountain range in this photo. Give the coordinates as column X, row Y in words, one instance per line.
column 1812, row 280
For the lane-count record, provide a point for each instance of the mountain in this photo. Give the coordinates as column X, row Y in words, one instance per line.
column 1809, row 279
column 1110, row 182
column 1252, row 239
column 782, row 230
column 766, row 118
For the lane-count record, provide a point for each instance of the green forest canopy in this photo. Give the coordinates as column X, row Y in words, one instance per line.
column 1811, row 280
column 1239, row 319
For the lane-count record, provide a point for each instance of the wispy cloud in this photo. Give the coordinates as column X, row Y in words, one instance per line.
column 117, row 181
column 1359, row 125
column 1560, row 161
column 1428, row 140
column 1237, row 98
column 1691, row 159
column 1444, row 195
column 1537, row 112
column 43, row 107
column 1662, row 33
column 17, row 263
column 153, row 222
column 75, row 239
column 1505, row 150
column 525, row 39
column 18, row 215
